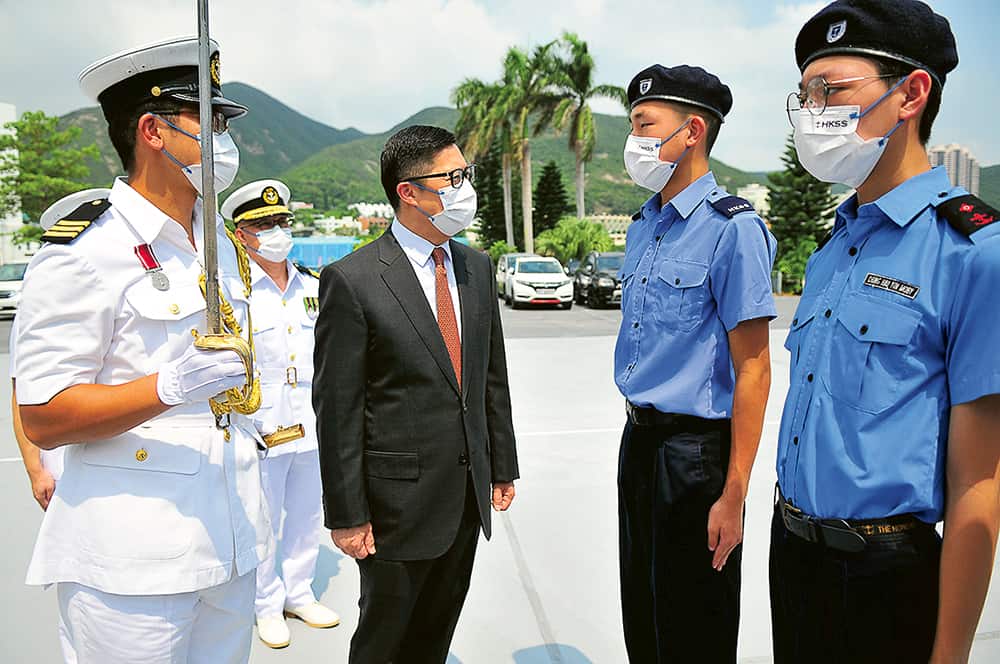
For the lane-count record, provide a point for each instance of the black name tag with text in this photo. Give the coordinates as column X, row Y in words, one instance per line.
column 908, row 291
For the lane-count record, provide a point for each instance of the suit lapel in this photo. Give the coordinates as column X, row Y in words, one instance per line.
column 467, row 294
column 401, row 280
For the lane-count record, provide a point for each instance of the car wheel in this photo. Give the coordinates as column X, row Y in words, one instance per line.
column 567, row 306
column 577, row 295
column 591, row 300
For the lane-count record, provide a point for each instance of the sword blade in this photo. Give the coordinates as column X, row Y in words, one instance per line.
column 209, row 202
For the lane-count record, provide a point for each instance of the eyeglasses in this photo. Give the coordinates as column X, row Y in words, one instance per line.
column 815, row 95
column 266, row 224
column 457, row 177
column 220, row 123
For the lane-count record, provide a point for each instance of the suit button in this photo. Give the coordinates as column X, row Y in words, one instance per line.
column 174, row 309
column 463, row 460
column 141, row 454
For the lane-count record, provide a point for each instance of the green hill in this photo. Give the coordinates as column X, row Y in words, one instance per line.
column 272, row 137
column 334, row 167
column 989, row 185
column 349, row 171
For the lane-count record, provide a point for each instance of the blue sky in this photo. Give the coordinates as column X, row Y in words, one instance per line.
column 369, row 64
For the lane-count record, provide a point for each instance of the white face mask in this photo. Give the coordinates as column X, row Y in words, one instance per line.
column 830, row 148
column 459, row 208
column 225, row 158
column 274, row 244
column 643, row 163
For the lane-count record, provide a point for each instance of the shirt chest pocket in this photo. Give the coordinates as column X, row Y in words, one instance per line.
column 870, row 352
column 627, row 278
column 168, row 313
column 804, row 315
column 681, row 295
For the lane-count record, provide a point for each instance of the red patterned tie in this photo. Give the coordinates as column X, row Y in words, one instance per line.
column 446, row 313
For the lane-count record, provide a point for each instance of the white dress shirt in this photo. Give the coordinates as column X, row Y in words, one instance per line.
column 419, row 250
column 168, row 506
column 284, row 325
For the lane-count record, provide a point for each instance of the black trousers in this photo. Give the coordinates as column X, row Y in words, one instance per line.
column 675, row 607
column 877, row 605
column 409, row 609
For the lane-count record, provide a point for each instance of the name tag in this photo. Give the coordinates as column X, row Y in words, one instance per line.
column 908, row 291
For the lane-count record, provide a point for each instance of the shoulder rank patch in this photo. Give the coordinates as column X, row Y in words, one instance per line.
column 822, row 243
column 637, row 216
column 305, row 270
column 967, row 214
column 732, row 205
column 76, row 222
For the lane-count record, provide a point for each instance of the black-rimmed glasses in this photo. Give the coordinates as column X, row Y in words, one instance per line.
column 457, row 177
column 815, row 95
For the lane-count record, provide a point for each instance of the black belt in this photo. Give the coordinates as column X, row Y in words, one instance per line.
column 650, row 417
column 843, row 534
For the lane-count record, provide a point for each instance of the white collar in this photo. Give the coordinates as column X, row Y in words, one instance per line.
column 416, row 248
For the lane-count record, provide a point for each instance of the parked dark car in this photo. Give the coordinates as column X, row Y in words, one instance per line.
column 596, row 282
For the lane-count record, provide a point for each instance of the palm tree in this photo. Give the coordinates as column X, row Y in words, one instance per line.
column 482, row 120
column 526, row 96
column 573, row 78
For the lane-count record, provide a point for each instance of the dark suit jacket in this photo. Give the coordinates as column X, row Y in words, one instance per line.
column 397, row 438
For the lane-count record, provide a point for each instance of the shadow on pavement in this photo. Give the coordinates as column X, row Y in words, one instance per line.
column 327, row 567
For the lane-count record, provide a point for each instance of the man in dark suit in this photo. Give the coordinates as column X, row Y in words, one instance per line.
column 412, row 405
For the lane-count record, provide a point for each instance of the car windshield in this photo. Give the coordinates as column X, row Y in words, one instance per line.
column 12, row 271
column 609, row 263
column 538, row 267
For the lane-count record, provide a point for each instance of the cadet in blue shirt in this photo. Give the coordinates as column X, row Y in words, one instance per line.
column 692, row 362
column 893, row 413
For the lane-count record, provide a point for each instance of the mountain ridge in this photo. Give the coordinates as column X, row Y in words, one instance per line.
column 333, row 167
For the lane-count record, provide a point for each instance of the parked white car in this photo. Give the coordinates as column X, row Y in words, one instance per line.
column 11, row 279
column 538, row 280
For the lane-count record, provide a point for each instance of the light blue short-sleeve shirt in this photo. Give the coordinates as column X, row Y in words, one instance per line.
column 692, row 272
column 896, row 325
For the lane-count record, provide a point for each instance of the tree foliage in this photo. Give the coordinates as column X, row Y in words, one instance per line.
column 498, row 249
column 801, row 209
column 550, row 199
column 38, row 164
column 573, row 238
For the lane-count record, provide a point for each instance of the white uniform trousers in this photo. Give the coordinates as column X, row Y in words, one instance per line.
column 210, row 626
column 294, row 494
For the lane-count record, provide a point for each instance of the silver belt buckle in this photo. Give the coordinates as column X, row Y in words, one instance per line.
column 292, row 376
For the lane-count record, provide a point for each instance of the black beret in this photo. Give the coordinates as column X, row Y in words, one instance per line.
column 907, row 31
column 682, row 84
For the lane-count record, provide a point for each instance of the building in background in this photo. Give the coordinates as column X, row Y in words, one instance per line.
column 757, row 195
column 962, row 167
column 9, row 252
column 615, row 224
column 383, row 210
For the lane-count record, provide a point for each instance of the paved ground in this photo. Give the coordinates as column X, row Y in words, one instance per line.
column 545, row 588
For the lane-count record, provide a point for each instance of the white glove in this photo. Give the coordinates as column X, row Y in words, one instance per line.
column 198, row 375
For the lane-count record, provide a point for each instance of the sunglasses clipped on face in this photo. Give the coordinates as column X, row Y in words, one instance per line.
column 457, row 177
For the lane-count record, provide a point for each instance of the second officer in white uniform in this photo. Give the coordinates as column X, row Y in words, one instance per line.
column 284, row 305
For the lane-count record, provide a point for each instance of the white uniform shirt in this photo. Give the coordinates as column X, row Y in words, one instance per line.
column 52, row 460
column 419, row 250
column 168, row 506
column 284, row 325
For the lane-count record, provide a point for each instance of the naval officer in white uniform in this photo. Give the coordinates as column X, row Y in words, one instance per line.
column 285, row 304
column 158, row 523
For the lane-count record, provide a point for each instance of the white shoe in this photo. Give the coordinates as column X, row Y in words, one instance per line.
column 314, row 615
column 273, row 631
